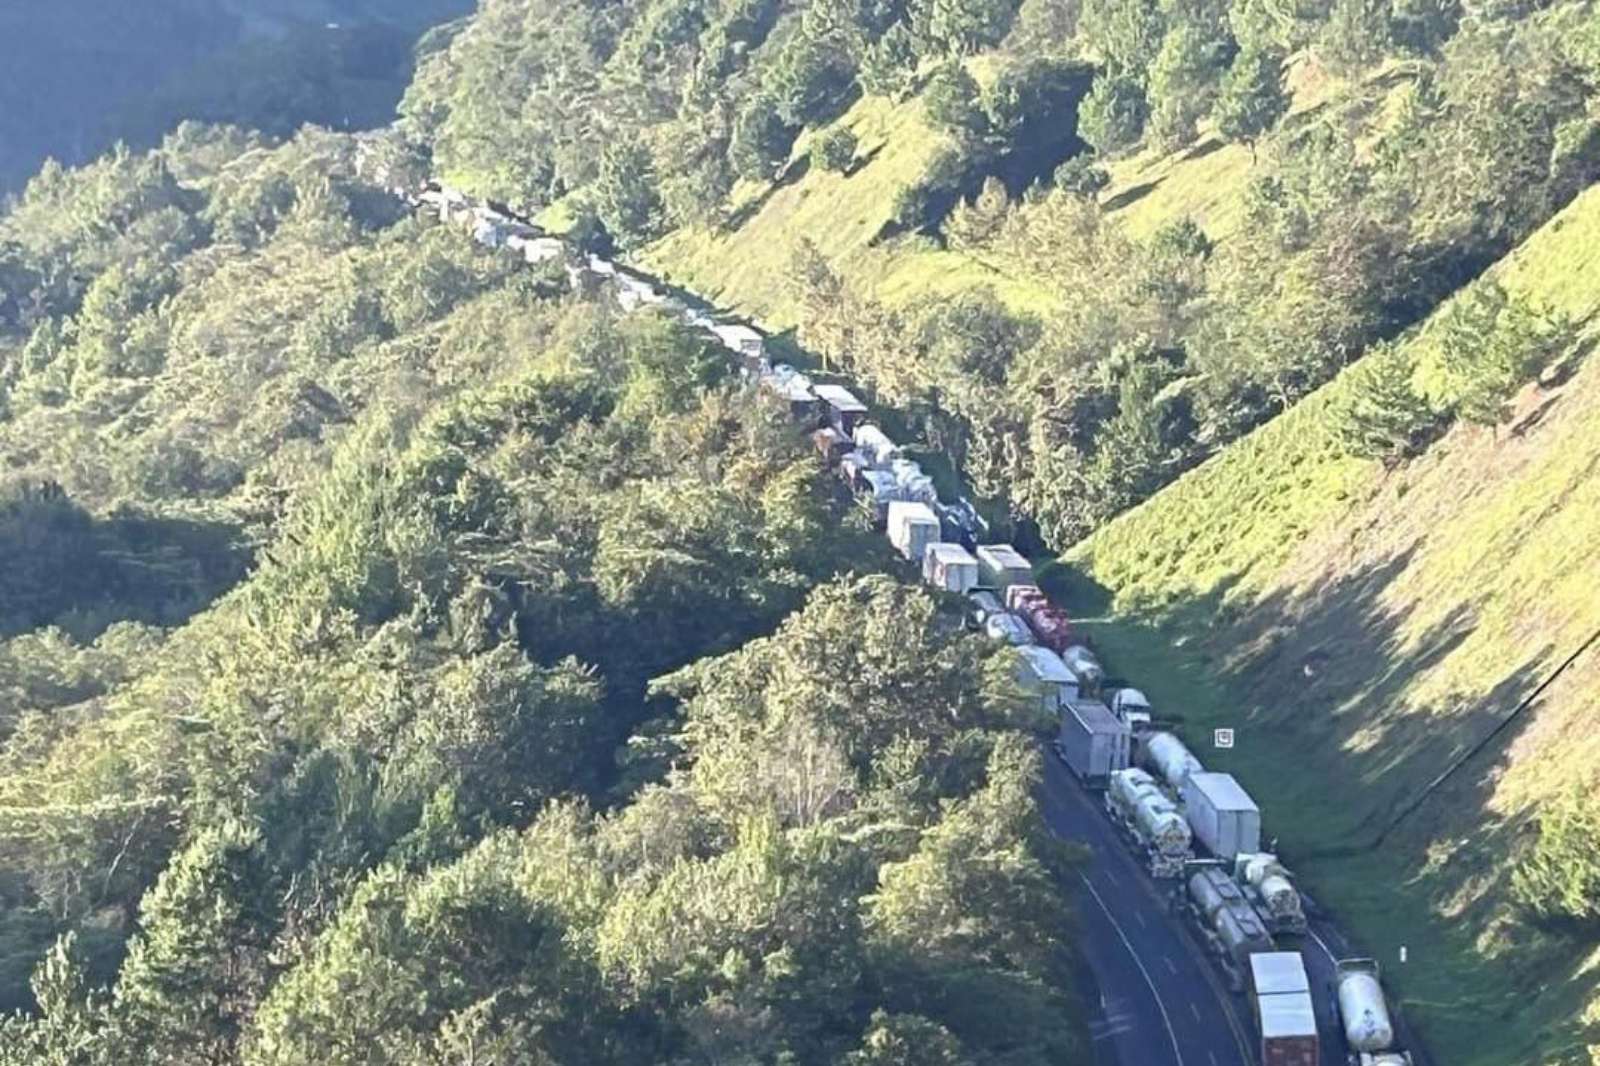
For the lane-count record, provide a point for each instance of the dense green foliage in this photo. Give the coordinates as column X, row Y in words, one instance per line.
column 389, row 665
column 1153, row 352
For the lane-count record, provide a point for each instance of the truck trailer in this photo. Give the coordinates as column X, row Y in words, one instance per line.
column 1223, row 816
column 1280, row 993
column 1001, row 566
column 1093, row 743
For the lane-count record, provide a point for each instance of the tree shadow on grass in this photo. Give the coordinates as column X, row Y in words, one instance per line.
column 790, row 175
column 1130, row 195
column 1385, row 800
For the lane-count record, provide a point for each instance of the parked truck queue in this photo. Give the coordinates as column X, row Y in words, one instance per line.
column 1197, row 832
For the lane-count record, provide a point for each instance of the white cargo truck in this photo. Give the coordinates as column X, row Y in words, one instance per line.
column 1000, row 566
column 1093, row 743
column 1223, row 816
column 1133, row 707
column 912, row 527
column 1084, row 663
column 1007, row 627
column 1281, row 994
column 950, row 567
column 1045, row 678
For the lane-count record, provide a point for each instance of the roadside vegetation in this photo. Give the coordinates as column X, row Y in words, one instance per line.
column 403, row 659
column 408, row 661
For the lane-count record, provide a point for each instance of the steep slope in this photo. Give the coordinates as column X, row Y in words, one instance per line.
column 848, row 217
column 1363, row 629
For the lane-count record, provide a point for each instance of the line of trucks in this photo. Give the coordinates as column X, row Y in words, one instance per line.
column 1195, row 829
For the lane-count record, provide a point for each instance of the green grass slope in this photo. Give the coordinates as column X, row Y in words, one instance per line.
column 744, row 265
column 1362, row 628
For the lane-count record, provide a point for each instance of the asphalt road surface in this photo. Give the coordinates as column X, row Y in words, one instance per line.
column 1160, row 1000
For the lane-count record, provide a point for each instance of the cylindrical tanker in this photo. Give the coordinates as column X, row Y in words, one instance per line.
column 1229, row 920
column 1167, row 757
column 1211, row 891
column 1136, row 802
column 1241, row 934
column 1270, row 882
column 1362, row 1009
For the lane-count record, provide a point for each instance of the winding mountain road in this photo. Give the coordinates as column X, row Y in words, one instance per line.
column 1159, row 1003
column 1158, row 998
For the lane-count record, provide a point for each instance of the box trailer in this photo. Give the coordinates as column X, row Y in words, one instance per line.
column 1093, row 742
column 1274, row 973
column 912, row 527
column 1223, row 816
column 950, row 567
column 1045, row 678
column 1000, row 566
column 1287, row 1023
column 877, row 446
column 841, row 408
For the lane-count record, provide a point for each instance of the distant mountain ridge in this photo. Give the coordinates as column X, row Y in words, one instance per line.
column 77, row 76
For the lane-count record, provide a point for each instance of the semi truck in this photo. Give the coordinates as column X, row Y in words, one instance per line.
column 1364, row 1015
column 1144, row 812
column 1280, row 995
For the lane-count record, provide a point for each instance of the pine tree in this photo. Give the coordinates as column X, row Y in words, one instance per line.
column 194, row 972
column 1378, row 415
column 1252, row 98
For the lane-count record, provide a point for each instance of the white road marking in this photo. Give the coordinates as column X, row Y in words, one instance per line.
column 1170, row 965
column 1109, row 876
column 1325, row 949
column 1194, row 1010
column 1139, row 916
column 1177, row 1053
column 1212, row 1055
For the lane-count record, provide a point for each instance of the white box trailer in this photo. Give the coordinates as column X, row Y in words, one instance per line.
column 1223, row 816
column 950, row 567
column 1001, row 566
column 1093, row 742
column 1277, row 972
column 1045, row 678
column 912, row 527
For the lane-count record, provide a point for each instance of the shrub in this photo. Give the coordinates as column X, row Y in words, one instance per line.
column 834, row 150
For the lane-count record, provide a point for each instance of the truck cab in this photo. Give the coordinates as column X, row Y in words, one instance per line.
column 1131, row 705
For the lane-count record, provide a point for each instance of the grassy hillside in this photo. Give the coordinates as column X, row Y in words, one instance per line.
column 1363, row 628
column 845, row 215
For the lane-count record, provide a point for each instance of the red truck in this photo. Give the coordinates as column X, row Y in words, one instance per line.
column 1049, row 623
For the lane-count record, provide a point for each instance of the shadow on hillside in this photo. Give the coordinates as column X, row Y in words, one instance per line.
column 790, row 175
column 63, row 566
column 1209, row 146
column 1332, row 663
column 1360, row 785
column 861, row 162
column 1131, row 195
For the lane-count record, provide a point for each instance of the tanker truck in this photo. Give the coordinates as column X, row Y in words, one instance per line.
column 1269, row 887
column 1364, row 1015
column 1231, row 927
column 1139, row 807
column 1165, row 756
